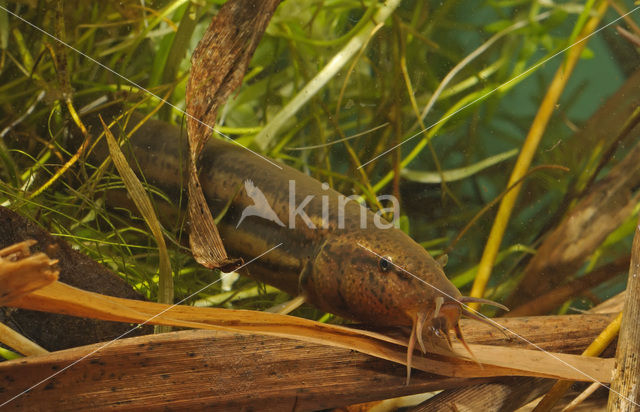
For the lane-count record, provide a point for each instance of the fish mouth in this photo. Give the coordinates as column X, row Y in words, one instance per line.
column 444, row 316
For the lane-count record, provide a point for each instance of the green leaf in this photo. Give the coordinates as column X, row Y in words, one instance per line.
column 497, row 26
column 587, row 53
column 403, row 223
column 456, row 174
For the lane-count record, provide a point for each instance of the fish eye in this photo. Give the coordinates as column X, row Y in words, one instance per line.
column 384, row 264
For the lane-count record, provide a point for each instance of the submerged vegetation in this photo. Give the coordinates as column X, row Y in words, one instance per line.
column 431, row 104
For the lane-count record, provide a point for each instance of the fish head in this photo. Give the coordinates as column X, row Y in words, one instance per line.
column 378, row 276
column 383, row 277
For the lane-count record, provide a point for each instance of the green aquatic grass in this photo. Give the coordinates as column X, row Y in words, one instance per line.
column 396, row 71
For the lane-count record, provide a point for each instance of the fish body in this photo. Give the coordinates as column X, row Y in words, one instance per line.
column 333, row 250
column 338, row 255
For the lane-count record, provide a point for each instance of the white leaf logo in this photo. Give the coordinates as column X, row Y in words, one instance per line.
column 260, row 207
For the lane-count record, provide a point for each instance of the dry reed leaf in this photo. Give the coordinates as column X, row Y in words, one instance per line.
column 193, row 370
column 547, row 302
column 22, row 273
column 16, row 341
column 513, row 393
column 496, row 361
column 218, row 66
column 600, row 210
column 142, row 202
column 208, row 370
column 625, row 393
column 220, row 60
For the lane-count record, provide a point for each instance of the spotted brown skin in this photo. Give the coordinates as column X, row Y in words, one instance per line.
column 349, row 280
column 347, row 266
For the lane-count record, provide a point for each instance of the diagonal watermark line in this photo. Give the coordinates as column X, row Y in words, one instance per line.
column 132, row 329
column 502, row 327
column 498, row 88
column 136, row 84
column 278, row 166
column 184, row 113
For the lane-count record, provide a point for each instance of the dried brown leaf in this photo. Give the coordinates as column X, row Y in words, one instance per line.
column 218, row 66
column 22, row 273
column 496, row 361
column 16, row 341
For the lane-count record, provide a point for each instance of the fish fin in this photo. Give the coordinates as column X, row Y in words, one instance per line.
column 446, row 335
column 419, row 322
column 469, row 299
column 288, row 306
column 291, row 305
column 410, row 347
column 439, row 302
column 442, row 260
column 464, row 343
column 305, row 276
